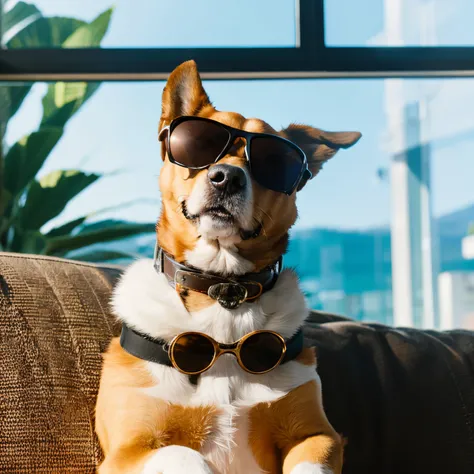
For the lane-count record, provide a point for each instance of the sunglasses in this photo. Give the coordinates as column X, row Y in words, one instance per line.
column 258, row 352
column 196, row 143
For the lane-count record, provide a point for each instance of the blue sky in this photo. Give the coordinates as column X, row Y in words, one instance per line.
column 117, row 129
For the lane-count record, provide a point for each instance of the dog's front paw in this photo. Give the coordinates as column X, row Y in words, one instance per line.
column 311, row 468
column 176, row 460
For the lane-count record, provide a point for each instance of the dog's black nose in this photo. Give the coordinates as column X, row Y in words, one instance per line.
column 228, row 178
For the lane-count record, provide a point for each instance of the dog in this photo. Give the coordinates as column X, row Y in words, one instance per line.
column 210, row 374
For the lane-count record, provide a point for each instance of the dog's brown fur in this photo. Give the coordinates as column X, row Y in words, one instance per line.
column 276, row 212
column 137, row 425
column 131, row 425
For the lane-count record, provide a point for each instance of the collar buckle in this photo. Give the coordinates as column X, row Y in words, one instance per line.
column 229, row 295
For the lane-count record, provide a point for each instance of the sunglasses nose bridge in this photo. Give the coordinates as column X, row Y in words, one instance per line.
column 238, row 140
column 227, row 349
column 244, row 136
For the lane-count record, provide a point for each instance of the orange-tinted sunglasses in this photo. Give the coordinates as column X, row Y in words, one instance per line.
column 258, row 352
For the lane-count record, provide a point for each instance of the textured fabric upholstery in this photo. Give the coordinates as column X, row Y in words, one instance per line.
column 54, row 323
column 404, row 399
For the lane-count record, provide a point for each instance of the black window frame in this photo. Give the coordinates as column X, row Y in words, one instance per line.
column 310, row 58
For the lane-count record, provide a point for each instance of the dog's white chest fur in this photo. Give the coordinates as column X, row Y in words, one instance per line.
column 223, row 387
column 146, row 302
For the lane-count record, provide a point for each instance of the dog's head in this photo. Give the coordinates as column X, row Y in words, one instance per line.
column 220, row 218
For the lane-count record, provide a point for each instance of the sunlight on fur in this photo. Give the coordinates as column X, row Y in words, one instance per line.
column 218, row 224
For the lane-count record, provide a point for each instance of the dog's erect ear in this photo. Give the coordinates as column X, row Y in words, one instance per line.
column 318, row 145
column 183, row 93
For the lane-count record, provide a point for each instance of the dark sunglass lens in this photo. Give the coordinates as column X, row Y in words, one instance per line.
column 275, row 164
column 261, row 352
column 197, row 143
column 193, row 352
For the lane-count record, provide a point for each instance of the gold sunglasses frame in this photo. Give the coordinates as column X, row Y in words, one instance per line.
column 220, row 349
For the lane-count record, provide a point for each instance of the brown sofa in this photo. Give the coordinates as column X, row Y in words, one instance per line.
column 404, row 399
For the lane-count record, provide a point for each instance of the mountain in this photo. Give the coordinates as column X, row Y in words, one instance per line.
column 348, row 271
column 457, row 222
column 360, row 258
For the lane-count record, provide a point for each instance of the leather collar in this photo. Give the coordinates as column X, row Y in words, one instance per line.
column 228, row 292
column 153, row 350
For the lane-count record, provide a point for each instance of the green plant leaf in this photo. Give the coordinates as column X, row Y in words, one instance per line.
column 68, row 91
column 33, row 242
column 11, row 97
column 27, row 241
column 62, row 100
column 26, row 157
column 105, row 224
column 90, row 35
column 67, row 228
column 49, row 32
column 5, row 199
column 20, row 12
column 98, row 256
column 14, row 20
column 5, row 219
column 95, row 233
column 48, row 197
column 17, row 18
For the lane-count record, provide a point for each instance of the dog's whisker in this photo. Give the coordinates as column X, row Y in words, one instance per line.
column 264, row 213
column 260, row 221
column 262, row 227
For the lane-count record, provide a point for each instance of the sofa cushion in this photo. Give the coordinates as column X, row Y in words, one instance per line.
column 54, row 324
column 403, row 398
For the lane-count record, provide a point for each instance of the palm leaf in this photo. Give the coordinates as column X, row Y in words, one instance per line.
column 25, row 27
column 67, row 228
column 90, row 35
column 48, row 197
column 62, row 100
column 4, row 201
column 45, row 33
column 26, row 157
column 73, row 225
column 104, row 224
column 27, row 204
column 11, row 97
column 103, row 231
column 29, row 241
column 102, row 255
column 17, row 18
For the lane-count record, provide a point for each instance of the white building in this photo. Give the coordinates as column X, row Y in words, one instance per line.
column 417, row 112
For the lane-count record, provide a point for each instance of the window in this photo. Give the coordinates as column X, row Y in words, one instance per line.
column 399, row 23
column 352, row 216
column 178, row 23
column 146, row 39
column 381, row 230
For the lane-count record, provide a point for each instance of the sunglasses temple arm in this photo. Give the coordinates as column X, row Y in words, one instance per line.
column 164, row 131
